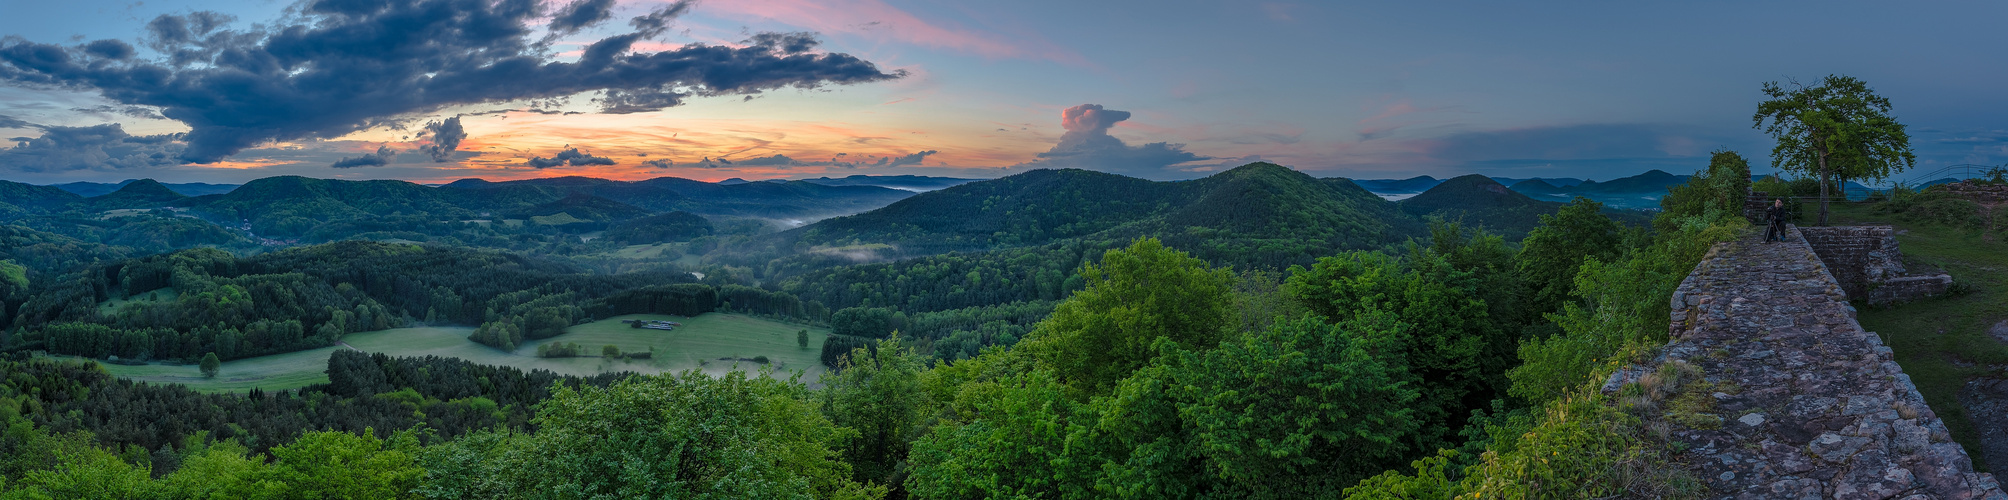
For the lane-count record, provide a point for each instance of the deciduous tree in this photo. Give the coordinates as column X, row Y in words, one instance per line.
column 1838, row 130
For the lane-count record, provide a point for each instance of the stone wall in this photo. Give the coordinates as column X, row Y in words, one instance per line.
column 1805, row 403
column 1866, row 262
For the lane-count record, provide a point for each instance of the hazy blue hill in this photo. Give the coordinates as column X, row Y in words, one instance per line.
column 1634, row 192
column 907, row 182
column 1552, row 181
column 30, row 197
column 1415, row 184
column 1479, row 200
column 1536, row 187
column 1652, row 181
column 143, row 193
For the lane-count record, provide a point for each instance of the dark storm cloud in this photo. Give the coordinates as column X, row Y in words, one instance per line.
column 1088, row 145
column 346, row 65
column 380, row 158
column 580, row 15
column 446, row 136
column 570, row 156
column 12, row 122
column 658, row 164
column 97, row 147
column 109, row 49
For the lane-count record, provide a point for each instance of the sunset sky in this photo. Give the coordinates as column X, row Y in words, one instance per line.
column 1157, row 89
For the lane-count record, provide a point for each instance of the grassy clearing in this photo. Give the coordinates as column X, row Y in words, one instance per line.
column 279, row 371
column 1942, row 343
column 698, row 344
column 649, row 251
column 168, row 294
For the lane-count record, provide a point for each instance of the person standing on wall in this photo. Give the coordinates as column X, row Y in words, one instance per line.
column 1775, row 216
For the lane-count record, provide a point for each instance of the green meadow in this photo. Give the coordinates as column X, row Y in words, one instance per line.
column 699, row 344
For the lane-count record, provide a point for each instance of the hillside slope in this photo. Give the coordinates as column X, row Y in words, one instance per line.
column 1259, row 214
column 143, row 193
column 1480, row 201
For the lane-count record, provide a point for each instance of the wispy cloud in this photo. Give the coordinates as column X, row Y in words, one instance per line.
column 878, row 20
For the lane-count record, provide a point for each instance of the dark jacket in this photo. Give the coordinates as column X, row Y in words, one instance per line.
column 1775, row 214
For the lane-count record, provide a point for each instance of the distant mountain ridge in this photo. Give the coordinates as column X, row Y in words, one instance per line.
column 94, row 189
column 792, row 199
column 291, row 206
column 1481, row 201
column 1285, row 215
column 905, row 182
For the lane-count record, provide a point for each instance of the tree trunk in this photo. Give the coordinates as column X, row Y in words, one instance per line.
column 1824, row 176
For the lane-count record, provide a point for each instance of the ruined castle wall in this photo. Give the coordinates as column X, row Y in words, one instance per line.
column 1809, row 405
column 1866, row 262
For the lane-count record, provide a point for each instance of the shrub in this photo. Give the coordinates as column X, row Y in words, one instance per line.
column 1954, row 212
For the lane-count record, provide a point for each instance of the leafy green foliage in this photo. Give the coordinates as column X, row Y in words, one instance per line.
column 210, row 364
column 660, row 228
column 1836, row 131
column 343, row 465
column 1551, row 254
column 1299, row 409
column 877, row 393
column 683, row 436
column 1450, row 340
column 1134, row 297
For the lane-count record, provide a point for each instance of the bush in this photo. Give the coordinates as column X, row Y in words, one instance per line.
column 1954, row 212
column 559, row 350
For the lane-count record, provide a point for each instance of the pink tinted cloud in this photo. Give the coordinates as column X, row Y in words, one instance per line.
column 876, row 19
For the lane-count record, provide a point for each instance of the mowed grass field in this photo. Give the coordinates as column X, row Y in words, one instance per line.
column 1943, row 342
column 698, row 344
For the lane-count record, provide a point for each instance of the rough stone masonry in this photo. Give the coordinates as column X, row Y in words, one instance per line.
column 1820, row 409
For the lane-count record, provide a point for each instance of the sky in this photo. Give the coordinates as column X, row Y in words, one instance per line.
column 437, row 90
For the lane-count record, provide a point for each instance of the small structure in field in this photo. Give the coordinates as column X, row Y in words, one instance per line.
column 652, row 324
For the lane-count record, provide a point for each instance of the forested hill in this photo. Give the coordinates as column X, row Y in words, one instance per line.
column 17, row 198
column 794, row 199
column 143, row 193
column 291, row 206
column 1269, row 209
column 1480, row 201
column 1024, row 209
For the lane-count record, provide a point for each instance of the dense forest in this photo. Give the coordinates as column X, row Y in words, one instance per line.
column 1114, row 360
